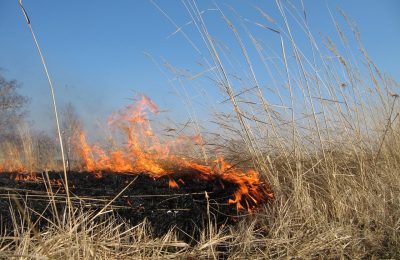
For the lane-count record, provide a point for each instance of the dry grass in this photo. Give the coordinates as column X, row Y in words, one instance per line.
column 326, row 135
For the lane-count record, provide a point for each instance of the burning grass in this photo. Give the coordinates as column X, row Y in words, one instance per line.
column 141, row 180
column 144, row 152
column 185, row 209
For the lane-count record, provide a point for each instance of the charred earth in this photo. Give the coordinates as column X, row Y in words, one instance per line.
column 187, row 206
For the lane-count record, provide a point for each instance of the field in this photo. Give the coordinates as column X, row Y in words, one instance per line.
column 307, row 166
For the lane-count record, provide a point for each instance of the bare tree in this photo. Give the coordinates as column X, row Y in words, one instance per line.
column 12, row 110
column 45, row 148
column 72, row 127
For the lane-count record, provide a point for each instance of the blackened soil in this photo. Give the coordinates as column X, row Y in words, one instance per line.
column 185, row 208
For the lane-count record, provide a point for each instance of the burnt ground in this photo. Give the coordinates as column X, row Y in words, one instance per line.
column 184, row 208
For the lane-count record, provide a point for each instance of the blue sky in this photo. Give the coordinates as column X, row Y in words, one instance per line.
column 95, row 49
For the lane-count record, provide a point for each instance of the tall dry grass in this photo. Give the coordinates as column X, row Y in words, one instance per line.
column 325, row 133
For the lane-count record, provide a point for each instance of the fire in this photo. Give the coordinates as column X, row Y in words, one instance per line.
column 172, row 183
column 144, row 152
column 27, row 177
column 35, row 177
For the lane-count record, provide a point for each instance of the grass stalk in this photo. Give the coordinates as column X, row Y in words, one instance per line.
column 54, row 105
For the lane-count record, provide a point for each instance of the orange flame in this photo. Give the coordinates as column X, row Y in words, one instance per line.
column 172, row 183
column 143, row 152
column 27, row 177
column 34, row 177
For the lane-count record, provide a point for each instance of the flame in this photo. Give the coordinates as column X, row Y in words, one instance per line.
column 34, row 177
column 144, row 152
column 27, row 177
column 172, row 183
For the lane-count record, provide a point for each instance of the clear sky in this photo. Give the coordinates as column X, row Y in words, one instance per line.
column 95, row 49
